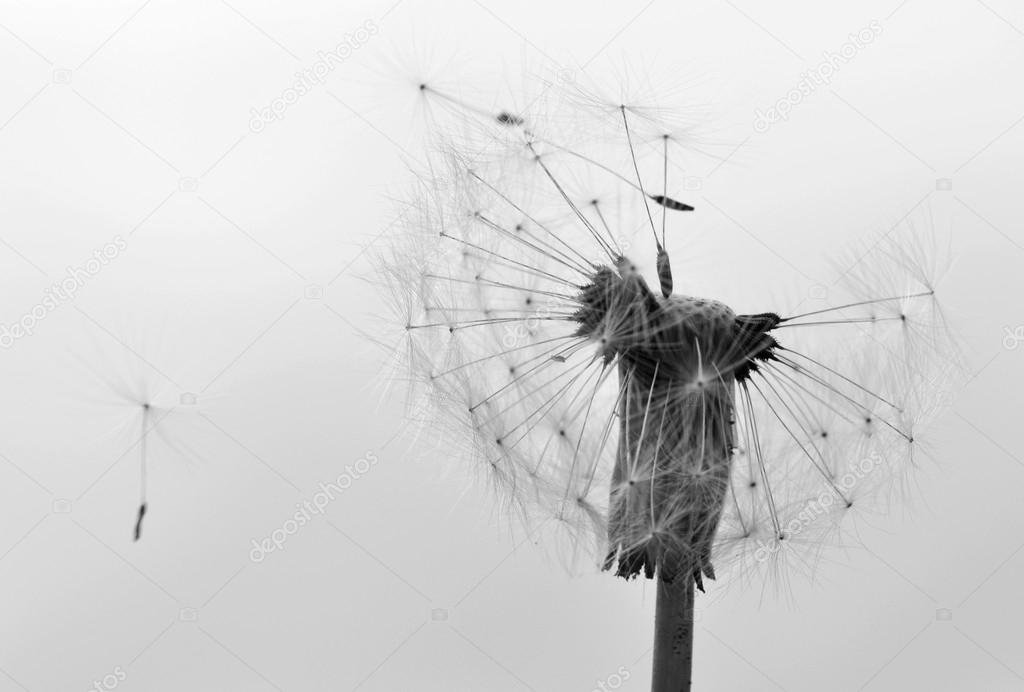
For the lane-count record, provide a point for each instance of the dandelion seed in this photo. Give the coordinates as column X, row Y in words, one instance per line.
column 142, row 471
column 146, row 410
column 680, row 438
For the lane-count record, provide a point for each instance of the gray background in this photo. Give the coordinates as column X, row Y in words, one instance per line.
column 242, row 284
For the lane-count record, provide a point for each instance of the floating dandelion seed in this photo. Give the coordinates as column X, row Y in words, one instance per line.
column 145, row 410
column 673, row 434
column 142, row 471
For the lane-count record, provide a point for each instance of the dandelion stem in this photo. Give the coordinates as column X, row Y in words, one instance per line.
column 673, row 636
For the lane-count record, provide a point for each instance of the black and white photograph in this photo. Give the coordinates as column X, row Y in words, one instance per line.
column 408, row 345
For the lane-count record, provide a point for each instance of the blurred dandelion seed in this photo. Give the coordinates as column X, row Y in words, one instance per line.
column 666, row 432
column 142, row 406
column 142, row 471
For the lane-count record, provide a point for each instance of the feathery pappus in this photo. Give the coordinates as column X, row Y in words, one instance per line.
column 667, row 434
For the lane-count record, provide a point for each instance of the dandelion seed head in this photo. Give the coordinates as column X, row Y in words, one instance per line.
column 661, row 433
